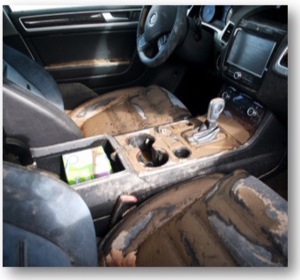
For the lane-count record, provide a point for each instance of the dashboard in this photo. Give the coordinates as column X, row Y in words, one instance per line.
column 250, row 49
column 212, row 15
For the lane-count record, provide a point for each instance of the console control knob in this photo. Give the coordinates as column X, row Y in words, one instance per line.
column 226, row 95
column 237, row 75
column 251, row 112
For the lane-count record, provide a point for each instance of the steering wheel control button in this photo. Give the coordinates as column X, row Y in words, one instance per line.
column 162, row 41
column 237, row 75
column 251, row 112
column 141, row 43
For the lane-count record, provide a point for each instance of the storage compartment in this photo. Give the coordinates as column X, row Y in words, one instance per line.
column 54, row 161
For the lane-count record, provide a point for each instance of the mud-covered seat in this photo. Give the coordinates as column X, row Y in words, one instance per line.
column 216, row 220
column 128, row 110
column 45, row 222
column 234, row 220
column 33, row 106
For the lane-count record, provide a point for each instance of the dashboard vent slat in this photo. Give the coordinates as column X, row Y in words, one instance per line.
column 284, row 60
column 227, row 33
column 281, row 66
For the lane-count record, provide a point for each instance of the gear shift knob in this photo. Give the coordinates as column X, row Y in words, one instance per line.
column 209, row 129
column 215, row 108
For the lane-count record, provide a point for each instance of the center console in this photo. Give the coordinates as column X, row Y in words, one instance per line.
column 148, row 161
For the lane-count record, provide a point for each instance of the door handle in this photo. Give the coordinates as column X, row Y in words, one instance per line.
column 111, row 18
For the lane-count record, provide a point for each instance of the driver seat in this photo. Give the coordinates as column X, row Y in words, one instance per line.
column 33, row 110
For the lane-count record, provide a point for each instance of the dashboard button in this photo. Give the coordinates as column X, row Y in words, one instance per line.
column 226, row 95
column 237, row 75
column 251, row 112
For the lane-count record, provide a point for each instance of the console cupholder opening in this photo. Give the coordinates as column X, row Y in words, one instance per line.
column 153, row 158
column 182, row 152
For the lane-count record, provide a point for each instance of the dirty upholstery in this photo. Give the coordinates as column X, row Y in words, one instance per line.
column 26, row 73
column 127, row 110
column 31, row 119
column 43, row 111
column 45, row 222
column 213, row 221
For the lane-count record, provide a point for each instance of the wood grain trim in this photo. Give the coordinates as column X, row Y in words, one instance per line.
column 88, row 64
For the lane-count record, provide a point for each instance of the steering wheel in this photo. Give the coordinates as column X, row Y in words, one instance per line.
column 160, row 30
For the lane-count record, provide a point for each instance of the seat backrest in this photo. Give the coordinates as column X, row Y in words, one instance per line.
column 45, row 222
column 33, row 109
column 33, row 120
column 26, row 73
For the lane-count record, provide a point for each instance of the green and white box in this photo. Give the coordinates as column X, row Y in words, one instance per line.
column 86, row 165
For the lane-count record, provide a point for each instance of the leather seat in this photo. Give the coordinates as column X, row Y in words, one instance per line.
column 128, row 110
column 45, row 222
column 216, row 220
column 34, row 107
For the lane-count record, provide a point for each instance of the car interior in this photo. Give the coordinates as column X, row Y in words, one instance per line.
column 145, row 136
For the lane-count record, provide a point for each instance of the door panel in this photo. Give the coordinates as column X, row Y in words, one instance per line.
column 89, row 54
column 92, row 45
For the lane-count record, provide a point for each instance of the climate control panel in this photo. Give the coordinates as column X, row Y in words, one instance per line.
column 242, row 104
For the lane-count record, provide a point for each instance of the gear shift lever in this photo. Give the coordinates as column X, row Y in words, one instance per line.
column 215, row 108
column 209, row 129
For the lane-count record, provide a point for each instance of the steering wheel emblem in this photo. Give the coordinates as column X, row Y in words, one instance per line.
column 153, row 19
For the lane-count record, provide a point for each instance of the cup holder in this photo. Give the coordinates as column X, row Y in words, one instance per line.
column 182, row 152
column 148, row 155
column 153, row 158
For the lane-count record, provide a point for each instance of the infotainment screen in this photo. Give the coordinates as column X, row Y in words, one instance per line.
column 251, row 53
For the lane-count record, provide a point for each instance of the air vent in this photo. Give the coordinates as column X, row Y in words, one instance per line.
column 281, row 66
column 227, row 33
column 284, row 60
